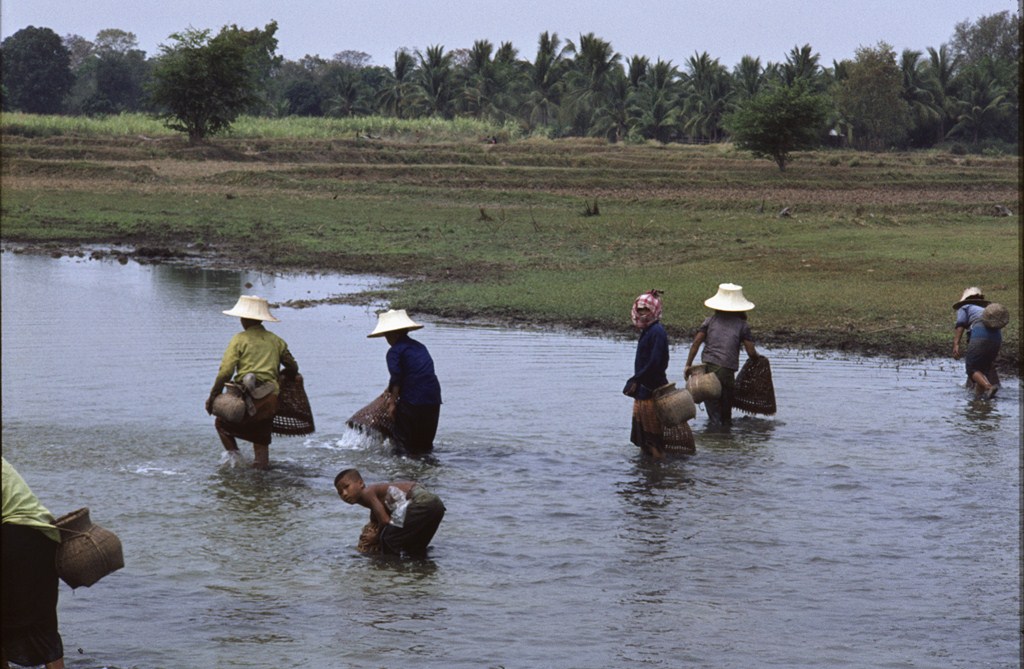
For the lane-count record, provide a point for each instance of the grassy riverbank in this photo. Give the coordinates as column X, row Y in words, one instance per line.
column 873, row 252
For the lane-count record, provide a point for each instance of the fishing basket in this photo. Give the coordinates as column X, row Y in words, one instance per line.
column 375, row 416
column 87, row 552
column 678, row 440
column 702, row 384
column 294, row 416
column 995, row 316
column 674, row 405
column 230, row 404
column 754, row 392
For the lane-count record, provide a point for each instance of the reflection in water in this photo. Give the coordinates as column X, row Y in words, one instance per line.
column 561, row 547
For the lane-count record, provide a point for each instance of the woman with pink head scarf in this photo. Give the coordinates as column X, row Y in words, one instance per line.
column 649, row 366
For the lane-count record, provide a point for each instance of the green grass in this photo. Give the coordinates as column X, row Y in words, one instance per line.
column 871, row 258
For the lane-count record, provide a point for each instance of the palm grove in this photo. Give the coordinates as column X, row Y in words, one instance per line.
column 964, row 93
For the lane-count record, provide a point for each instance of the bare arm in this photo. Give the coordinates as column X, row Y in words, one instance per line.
column 749, row 347
column 956, row 342
column 698, row 339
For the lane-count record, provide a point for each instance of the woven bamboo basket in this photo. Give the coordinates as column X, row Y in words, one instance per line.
column 755, row 390
column 679, row 440
column 674, row 405
column 374, row 416
column 229, row 405
column 702, row 384
column 87, row 552
column 995, row 316
column 294, row 416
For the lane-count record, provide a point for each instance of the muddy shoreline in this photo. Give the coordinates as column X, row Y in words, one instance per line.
column 236, row 259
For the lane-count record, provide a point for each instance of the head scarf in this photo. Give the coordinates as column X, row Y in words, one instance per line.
column 652, row 301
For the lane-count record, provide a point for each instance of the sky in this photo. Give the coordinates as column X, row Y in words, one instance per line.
column 672, row 30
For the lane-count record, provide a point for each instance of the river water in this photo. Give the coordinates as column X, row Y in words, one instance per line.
column 874, row 522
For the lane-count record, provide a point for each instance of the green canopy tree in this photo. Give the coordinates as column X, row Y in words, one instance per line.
column 202, row 84
column 871, row 99
column 36, row 71
column 779, row 121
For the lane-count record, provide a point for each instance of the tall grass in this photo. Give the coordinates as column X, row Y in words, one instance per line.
column 253, row 127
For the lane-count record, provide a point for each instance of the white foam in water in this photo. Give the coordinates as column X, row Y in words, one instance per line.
column 148, row 470
column 356, row 440
column 232, row 459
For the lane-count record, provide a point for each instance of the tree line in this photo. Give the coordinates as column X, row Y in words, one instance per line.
column 965, row 91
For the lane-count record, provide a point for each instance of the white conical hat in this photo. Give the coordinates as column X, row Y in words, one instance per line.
column 252, row 307
column 729, row 298
column 393, row 320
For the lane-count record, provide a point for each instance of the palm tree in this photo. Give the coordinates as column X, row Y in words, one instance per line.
column 708, row 92
column 545, row 77
column 435, row 92
column 654, row 112
column 393, row 96
column 748, row 78
column 637, row 70
column 594, row 67
column 983, row 107
column 802, row 65
column 939, row 78
column 925, row 113
column 610, row 118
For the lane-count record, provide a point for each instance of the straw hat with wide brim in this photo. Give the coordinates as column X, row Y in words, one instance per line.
column 729, row 298
column 253, row 308
column 393, row 320
column 972, row 295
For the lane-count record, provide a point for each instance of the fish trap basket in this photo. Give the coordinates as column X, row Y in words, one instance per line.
column 995, row 316
column 87, row 552
column 294, row 416
column 755, row 392
column 374, row 416
column 229, row 405
column 674, row 405
column 702, row 384
column 678, row 440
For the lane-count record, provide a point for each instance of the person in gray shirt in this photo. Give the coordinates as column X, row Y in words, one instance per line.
column 722, row 335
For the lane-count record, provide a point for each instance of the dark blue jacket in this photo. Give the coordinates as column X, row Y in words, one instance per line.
column 412, row 370
column 651, row 361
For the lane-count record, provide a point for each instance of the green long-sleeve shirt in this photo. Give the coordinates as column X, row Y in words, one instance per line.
column 22, row 507
column 257, row 351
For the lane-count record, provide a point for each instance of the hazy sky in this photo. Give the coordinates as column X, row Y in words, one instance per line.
column 668, row 29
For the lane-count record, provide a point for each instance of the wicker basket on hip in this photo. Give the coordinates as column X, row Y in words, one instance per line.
column 674, row 405
column 702, row 384
column 755, row 392
column 294, row 416
column 375, row 416
column 87, row 552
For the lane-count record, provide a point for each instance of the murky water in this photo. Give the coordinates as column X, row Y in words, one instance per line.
column 873, row 523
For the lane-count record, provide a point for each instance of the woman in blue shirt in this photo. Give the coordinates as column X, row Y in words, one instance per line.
column 413, row 386
column 983, row 342
column 649, row 366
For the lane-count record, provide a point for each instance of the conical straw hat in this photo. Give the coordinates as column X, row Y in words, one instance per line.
column 252, row 307
column 729, row 298
column 393, row 320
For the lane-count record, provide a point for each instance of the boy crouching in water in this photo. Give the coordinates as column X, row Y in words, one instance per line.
column 404, row 515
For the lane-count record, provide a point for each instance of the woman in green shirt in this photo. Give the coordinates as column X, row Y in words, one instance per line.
column 253, row 360
column 30, row 635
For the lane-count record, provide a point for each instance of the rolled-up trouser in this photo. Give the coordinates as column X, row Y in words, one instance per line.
column 421, row 521
column 720, row 409
column 256, row 428
column 416, row 426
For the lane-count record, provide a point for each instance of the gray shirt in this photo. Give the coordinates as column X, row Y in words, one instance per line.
column 724, row 333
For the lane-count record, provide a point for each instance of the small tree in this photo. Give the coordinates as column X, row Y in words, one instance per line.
column 202, row 84
column 778, row 121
